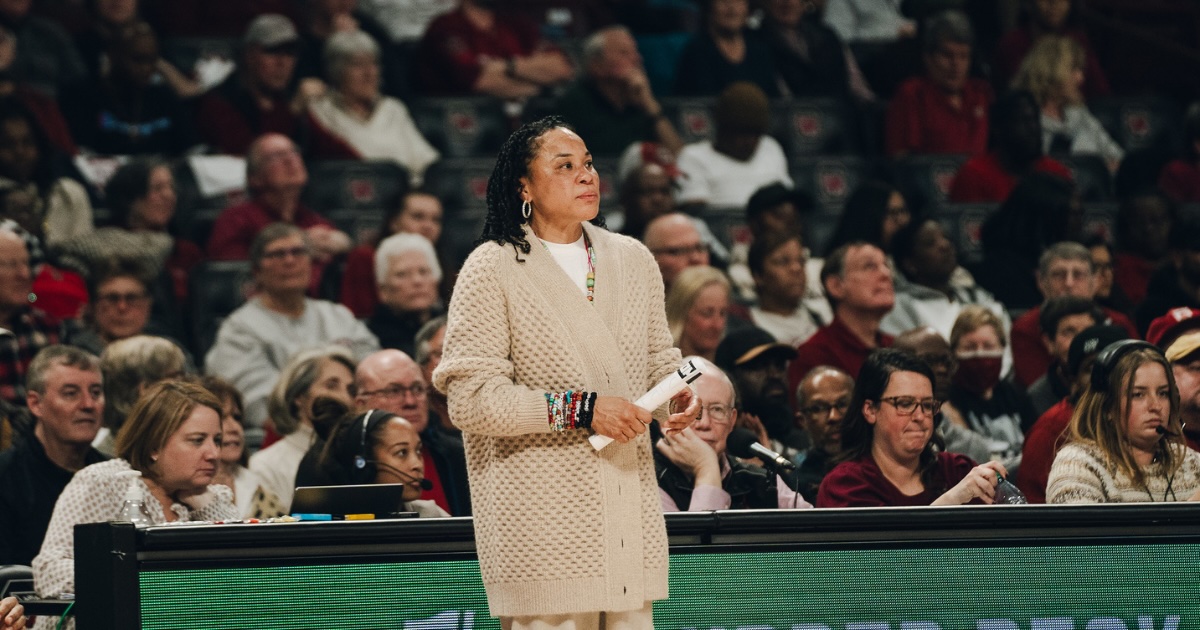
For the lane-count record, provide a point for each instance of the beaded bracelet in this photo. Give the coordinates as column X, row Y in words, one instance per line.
column 571, row 409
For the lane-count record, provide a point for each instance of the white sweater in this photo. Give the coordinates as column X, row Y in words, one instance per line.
column 1082, row 473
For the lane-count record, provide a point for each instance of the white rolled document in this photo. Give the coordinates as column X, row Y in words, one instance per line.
column 661, row 393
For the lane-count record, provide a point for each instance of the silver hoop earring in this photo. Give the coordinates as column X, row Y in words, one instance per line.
column 526, row 209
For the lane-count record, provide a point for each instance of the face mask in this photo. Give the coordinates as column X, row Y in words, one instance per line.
column 978, row 371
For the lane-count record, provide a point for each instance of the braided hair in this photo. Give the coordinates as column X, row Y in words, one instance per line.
column 503, row 222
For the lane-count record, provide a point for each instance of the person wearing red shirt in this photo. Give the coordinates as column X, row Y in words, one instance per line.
column 475, row 50
column 858, row 284
column 944, row 111
column 1015, row 149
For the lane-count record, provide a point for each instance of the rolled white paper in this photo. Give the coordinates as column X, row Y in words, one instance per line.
column 656, row 397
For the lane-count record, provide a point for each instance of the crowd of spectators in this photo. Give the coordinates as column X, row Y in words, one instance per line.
column 130, row 175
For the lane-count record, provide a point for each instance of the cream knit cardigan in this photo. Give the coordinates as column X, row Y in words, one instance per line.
column 560, row 528
column 1082, row 473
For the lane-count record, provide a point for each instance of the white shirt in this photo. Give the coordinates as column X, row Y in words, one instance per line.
column 715, row 179
column 573, row 258
column 277, row 464
column 793, row 329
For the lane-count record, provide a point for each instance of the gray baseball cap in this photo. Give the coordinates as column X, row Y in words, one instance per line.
column 270, row 30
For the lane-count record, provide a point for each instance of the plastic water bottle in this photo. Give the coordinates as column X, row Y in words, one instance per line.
column 1009, row 494
column 133, row 511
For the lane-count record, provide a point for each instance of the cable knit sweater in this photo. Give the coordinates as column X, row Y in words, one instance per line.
column 1082, row 473
column 560, row 527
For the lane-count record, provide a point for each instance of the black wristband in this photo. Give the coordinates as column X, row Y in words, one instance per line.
column 583, row 420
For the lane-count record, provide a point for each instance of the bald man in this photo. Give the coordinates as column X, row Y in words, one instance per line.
column 676, row 244
column 822, row 399
column 390, row 380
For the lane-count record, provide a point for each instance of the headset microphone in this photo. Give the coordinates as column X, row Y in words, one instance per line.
column 425, row 484
column 1161, row 430
column 361, row 461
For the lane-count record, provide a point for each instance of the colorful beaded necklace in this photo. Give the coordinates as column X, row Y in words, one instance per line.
column 591, row 258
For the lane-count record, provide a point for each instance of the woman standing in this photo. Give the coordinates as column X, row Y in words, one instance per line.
column 1126, row 442
column 551, row 312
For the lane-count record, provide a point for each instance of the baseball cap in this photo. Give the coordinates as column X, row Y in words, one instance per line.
column 1184, row 346
column 743, row 346
column 270, row 30
column 1092, row 340
column 1165, row 329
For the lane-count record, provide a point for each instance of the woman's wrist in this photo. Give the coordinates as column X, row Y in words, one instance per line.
column 572, row 409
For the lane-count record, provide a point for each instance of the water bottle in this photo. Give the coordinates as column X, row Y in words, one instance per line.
column 132, row 511
column 1009, row 494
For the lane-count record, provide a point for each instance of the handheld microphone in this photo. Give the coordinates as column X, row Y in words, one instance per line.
column 425, row 484
column 743, row 444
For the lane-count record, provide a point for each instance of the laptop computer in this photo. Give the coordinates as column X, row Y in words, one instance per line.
column 384, row 500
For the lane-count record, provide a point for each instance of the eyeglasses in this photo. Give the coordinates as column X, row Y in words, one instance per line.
column 115, row 299
column 821, row 411
column 280, row 254
column 907, row 405
column 395, row 390
column 683, row 250
column 717, row 412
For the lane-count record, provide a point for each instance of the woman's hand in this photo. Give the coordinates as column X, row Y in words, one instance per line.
column 12, row 614
column 680, row 420
column 980, row 484
column 619, row 419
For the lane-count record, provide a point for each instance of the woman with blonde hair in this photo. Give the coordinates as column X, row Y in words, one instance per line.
column 1126, row 437
column 1053, row 73
column 698, row 309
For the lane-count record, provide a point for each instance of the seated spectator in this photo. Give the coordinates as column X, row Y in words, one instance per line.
column 125, row 112
column 1143, row 232
column 646, row 193
column 1185, row 364
column 428, row 355
column 67, row 402
column 777, row 262
column 1108, row 293
column 822, row 401
column 320, row 21
column 676, row 245
column 275, row 179
column 257, row 339
column 1063, row 269
column 1042, row 210
column 1050, row 432
column 119, row 308
column 1126, row 443
column 476, row 49
column 931, row 347
column 1180, row 178
column 1061, row 319
column 408, row 275
column 130, row 367
column 725, row 171
column 697, row 306
column 695, row 471
column 1040, row 19
column 44, row 108
column 377, row 127
column 810, row 59
column 944, row 111
column 1014, row 150
column 1053, row 73
column 316, row 372
column 612, row 104
column 173, row 438
column 24, row 330
column 405, row 20
column 45, row 57
column 874, row 212
column 858, row 283
column 391, row 381
column 105, row 23
column 259, row 98
column 60, row 206
column 928, row 260
column 1176, row 283
column 417, row 213
column 724, row 52
column 891, row 455
column 868, row 21
column 379, row 447
column 250, row 495
column 985, row 403
column 758, row 367
column 141, row 204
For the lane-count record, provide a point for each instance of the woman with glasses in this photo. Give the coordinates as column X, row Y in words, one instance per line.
column 890, row 453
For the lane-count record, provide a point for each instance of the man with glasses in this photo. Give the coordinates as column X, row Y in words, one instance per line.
column 256, row 341
column 121, row 307
column 392, row 381
column 676, row 244
column 1064, row 269
column 696, row 473
column 757, row 364
column 822, row 400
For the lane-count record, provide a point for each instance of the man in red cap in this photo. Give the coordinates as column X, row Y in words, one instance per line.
column 1178, row 334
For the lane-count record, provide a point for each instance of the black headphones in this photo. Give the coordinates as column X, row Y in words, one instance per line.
column 361, row 460
column 1106, row 361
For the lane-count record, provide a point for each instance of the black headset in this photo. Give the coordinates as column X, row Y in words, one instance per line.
column 1106, row 361
column 361, row 460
